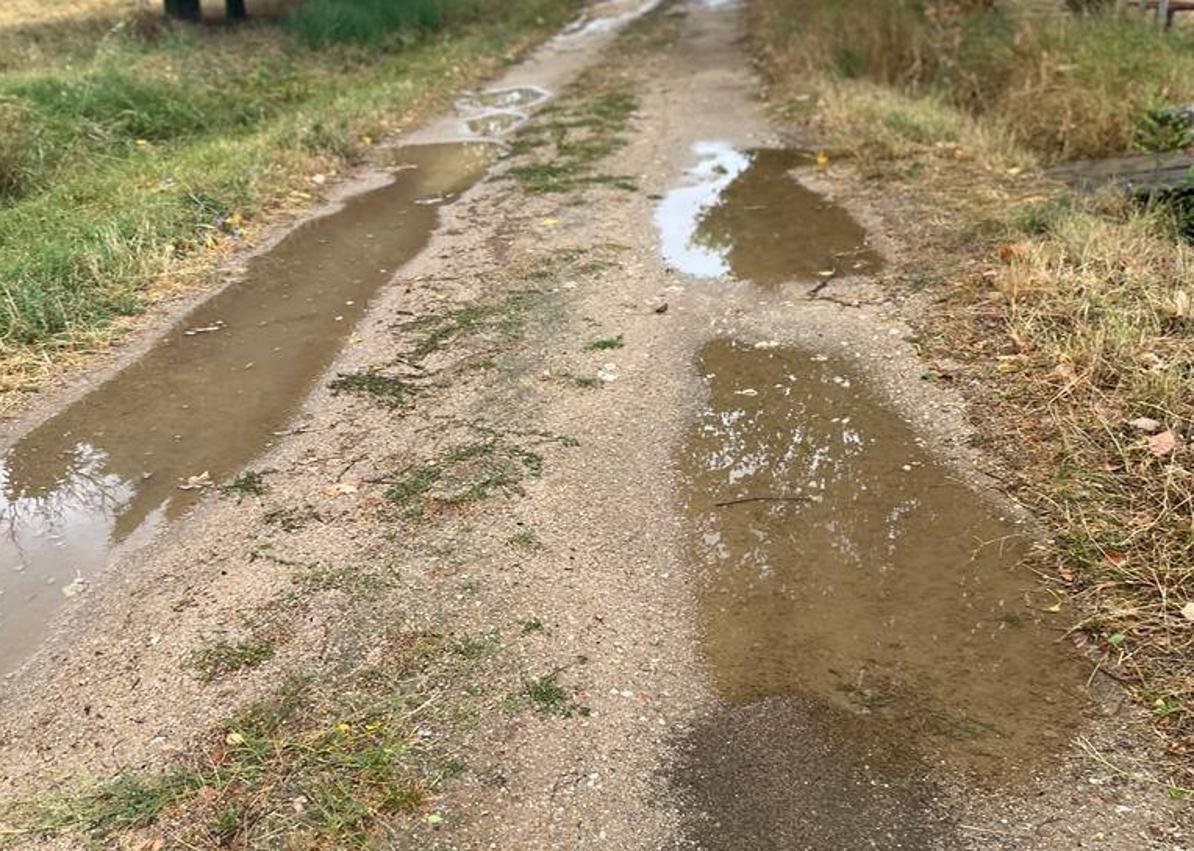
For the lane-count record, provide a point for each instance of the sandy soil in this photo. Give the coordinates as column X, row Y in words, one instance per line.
column 607, row 578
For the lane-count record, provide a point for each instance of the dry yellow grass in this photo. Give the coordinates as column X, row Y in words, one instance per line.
column 19, row 12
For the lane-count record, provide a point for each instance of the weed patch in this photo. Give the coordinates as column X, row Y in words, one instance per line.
column 327, row 763
column 549, row 697
column 605, row 344
column 391, row 392
column 489, row 461
column 248, row 483
column 503, row 319
column 569, row 141
column 224, row 657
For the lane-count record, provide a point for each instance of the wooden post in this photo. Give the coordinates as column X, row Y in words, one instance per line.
column 234, row 10
column 1163, row 13
column 187, row 10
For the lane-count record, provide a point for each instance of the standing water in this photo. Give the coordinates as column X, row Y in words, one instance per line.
column 742, row 214
column 859, row 605
column 208, row 397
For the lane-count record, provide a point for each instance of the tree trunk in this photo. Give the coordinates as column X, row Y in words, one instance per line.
column 234, row 9
column 187, row 10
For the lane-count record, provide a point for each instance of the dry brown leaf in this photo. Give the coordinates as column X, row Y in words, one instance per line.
column 1162, row 444
column 1146, row 424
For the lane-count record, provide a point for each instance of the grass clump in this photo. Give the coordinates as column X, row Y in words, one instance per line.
column 248, row 483
column 468, row 473
column 127, row 803
column 489, row 461
column 568, row 142
column 328, row 762
column 605, row 344
column 223, row 657
column 549, row 697
column 389, row 391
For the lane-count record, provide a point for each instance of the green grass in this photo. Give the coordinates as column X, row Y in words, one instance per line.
column 605, row 344
column 389, row 391
column 329, row 762
column 549, row 697
column 223, row 657
column 524, row 538
column 248, row 483
column 123, row 161
column 384, row 23
column 569, row 140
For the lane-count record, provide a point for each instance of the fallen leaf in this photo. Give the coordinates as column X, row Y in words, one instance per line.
column 198, row 482
column 1145, row 424
column 550, row 222
column 1188, row 611
column 1162, row 444
column 1055, row 608
column 340, row 489
column 822, row 159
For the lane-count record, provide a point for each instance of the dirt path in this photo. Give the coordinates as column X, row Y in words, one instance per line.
column 570, row 513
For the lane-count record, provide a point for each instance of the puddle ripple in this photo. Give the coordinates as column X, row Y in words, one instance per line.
column 208, row 397
column 742, row 214
column 845, row 568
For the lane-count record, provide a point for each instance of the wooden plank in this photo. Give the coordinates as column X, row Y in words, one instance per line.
column 1142, row 175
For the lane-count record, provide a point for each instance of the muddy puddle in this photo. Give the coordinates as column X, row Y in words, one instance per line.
column 208, row 397
column 494, row 123
column 493, row 113
column 742, row 214
column 848, row 571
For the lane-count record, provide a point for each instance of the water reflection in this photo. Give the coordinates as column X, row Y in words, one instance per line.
column 742, row 214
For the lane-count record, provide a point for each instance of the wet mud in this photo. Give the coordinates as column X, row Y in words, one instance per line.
column 849, row 579
column 783, row 775
column 208, row 397
column 742, row 214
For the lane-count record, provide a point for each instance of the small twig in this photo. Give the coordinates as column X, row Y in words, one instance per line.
column 760, row 499
column 350, row 465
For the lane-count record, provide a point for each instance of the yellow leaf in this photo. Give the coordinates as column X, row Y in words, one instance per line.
column 822, row 159
column 1055, row 608
column 550, row 222
column 234, row 738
